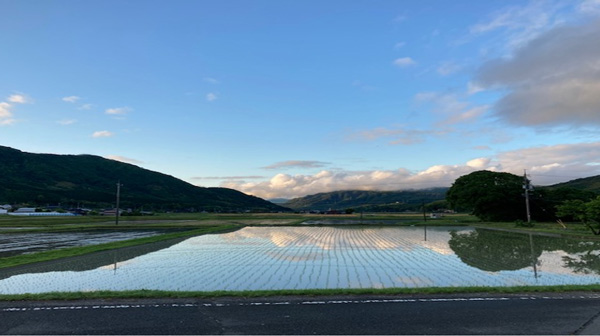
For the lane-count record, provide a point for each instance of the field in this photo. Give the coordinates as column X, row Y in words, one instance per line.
column 188, row 225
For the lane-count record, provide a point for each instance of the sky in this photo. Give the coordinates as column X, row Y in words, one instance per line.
column 282, row 99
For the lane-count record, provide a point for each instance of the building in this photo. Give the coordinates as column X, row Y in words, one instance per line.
column 25, row 210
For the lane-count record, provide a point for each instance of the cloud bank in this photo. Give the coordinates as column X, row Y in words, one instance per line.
column 546, row 165
column 554, row 80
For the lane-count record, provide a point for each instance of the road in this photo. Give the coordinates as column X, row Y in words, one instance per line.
column 451, row 314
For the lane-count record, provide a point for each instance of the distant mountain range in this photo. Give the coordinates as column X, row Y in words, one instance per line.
column 361, row 200
column 91, row 181
column 406, row 200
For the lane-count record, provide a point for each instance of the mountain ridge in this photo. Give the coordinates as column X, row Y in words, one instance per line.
column 90, row 180
column 368, row 200
column 404, row 200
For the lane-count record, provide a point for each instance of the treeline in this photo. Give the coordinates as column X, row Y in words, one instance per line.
column 494, row 196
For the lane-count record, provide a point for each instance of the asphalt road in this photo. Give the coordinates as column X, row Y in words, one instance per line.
column 455, row 314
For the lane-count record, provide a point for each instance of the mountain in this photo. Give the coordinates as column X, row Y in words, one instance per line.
column 278, row 200
column 588, row 184
column 368, row 200
column 91, row 181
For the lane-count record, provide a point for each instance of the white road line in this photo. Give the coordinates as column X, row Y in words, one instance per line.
column 327, row 302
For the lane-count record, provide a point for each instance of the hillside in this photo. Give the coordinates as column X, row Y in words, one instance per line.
column 433, row 198
column 90, row 181
column 588, row 184
column 368, row 200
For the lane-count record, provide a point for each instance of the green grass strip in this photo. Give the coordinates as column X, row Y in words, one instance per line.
column 81, row 250
column 156, row 294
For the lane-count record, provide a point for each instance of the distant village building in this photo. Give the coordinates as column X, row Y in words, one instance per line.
column 32, row 212
column 111, row 212
column 6, row 207
column 25, row 210
column 3, row 211
column 40, row 214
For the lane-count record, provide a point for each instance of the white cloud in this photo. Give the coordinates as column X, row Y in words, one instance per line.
column 451, row 108
column 448, row 68
column 71, row 99
column 554, row 80
column 399, row 45
column 124, row 159
column 480, row 163
column 67, row 122
column 590, row 7
column 482, row 147
column 6, row 107
column 546, row 165
column 85, row 107
column 210, row 80
column 400, row 135
column 404, row 62
column 466, row 116
column 5, row 110
column 18, row 99
column 520, row 24
column 211, row 97
column 102, row 134
column 118, row 110
column 473, row 88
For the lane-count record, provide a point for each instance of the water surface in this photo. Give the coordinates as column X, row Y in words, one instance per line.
column 24, row 243
column 256, row 258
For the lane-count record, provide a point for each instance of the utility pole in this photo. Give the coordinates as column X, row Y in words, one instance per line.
column 118, row 198
column 527, row 187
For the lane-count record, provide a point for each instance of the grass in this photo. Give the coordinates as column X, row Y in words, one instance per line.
column 155, row 294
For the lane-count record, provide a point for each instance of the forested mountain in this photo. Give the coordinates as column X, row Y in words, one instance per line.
column 588, row 184
column 90, row 181
column 368, row 200
column 434, row 198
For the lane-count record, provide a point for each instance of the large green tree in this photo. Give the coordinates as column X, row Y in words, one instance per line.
column 586, row 212
column 490, row 196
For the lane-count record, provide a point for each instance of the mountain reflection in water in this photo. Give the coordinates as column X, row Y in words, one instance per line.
column 264, row 258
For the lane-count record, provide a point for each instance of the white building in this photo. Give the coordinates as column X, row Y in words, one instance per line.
column 25, row 210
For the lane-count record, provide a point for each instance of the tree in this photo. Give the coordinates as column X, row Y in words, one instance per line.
column 586, row 212
column 545, row 200
column 490, row 196
column 494, row 251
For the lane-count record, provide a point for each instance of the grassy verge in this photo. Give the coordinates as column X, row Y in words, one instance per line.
column 77, row 251
column 155, row 294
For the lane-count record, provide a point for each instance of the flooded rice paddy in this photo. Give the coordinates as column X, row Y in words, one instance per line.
column 23, row 243
column 270, row 258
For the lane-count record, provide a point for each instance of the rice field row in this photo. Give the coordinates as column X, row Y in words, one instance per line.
column 271, row 258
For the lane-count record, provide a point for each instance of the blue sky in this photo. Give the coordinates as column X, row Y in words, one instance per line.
column 290, row 98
